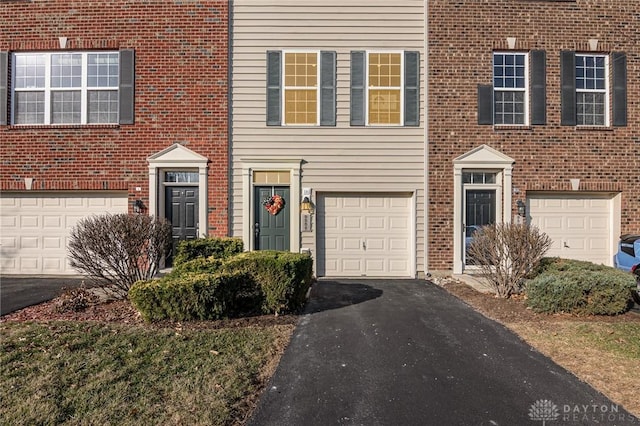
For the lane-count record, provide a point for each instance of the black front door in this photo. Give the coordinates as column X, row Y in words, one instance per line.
column 271, row 228
column 181, row 209
column 480, row 210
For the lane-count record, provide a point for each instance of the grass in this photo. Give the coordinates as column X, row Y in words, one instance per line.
column 88, row 373
column 604, row 354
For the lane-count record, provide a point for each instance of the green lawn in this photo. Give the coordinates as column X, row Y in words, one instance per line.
column 89, row 373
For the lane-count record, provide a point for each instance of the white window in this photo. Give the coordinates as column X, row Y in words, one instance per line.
column 510, row 73
column 384, row 89
column 301, row 88
column 592, row 99
column 65, row 88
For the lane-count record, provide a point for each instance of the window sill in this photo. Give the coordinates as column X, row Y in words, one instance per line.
column 512, row 127
column 594, row 128
column 61, row 126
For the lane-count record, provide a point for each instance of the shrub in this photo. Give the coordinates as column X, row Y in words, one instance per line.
column 284, row 277
column 209, row 265
column 115, row 251
column 206, row 247
column 507, row 253
column 74, row 300
column 193, row 296
column 556, row 264
column 579, row 288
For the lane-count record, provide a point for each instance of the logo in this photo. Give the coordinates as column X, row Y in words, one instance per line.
column 544, row 410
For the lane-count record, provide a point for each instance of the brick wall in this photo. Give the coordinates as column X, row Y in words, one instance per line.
column 181, row 95
column 462, row 37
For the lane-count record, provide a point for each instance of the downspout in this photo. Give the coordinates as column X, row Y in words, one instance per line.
column 229, row 118
column 426, row 138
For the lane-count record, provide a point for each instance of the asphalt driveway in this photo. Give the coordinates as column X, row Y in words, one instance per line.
column 405, row 352
column 20, row 292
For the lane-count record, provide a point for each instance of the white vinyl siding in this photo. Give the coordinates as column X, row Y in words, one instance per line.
column 338, row 158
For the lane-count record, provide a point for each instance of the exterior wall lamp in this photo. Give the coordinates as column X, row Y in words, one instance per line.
column 522, row 208
column 306, row 206
column 138, row 206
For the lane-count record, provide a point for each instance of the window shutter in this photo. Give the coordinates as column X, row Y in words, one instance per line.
column 619, row 100
column 127, row 86
column 485, row 104
column 4, row 73
column 327, row 88
column 538, row 87
column 568, row 91
column 357, row 87
column 274, row 87
column 411, row 88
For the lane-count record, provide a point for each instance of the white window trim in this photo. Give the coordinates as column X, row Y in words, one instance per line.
column 481, row 158
column 285, row 87
column 48, row 89
column 368, row 87
column 606, row 91
column 248, row 167
column 526, row 88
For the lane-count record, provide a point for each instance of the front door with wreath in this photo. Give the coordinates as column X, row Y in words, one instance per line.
column 272, row 218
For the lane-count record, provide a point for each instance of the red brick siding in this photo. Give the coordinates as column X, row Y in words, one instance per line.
column 462, row 36
column 181, row 95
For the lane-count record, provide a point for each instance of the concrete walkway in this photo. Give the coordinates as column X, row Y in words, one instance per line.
column 405, row 352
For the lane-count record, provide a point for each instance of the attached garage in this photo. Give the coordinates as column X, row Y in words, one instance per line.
column 582, row 226
column 34, row 228
column 365, row 235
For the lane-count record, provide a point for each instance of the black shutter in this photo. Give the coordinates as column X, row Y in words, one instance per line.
column 4, row 73
column 127, row 86
column 568, row 91
column 485, row 104
column 619, row 93
column 274, row 88
column 411, row 88
column 538, row 87
column 327, row 88
column 357, row 88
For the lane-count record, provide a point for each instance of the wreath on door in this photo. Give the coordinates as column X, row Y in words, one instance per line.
column 273, row 204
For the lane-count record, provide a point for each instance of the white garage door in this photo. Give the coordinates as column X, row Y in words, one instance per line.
column 34, row 228
column 365, row 235
column 579, row 225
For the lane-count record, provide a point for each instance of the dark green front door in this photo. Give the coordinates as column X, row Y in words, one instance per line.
column 480, row 210
column 271, row 231
column 181, row 209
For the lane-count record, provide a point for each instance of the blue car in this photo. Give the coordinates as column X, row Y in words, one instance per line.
column 628, row 254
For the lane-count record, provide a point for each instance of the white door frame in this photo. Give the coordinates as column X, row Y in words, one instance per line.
column 482, row 158
column 178, row 157
column 249, row 166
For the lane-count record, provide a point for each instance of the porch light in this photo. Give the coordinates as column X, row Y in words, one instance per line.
column 305, row 205
column 522, row 208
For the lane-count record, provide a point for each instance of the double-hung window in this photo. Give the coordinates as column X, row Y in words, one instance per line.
column 65, row 88
column 385, row 88
column 593, row 89
column 301, row 88
column 592, row 104
column 517, row 94
column 68, row 88
column 510, row 87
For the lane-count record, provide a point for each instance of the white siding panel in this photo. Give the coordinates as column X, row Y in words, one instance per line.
column 340, row 158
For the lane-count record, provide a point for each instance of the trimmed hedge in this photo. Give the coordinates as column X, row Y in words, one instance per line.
column 284, row 277
column 209, row 265
column 580, row 288
column 193, row 296
column 207, row 247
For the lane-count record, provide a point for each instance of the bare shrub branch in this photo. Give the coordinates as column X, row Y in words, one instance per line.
column 115, row 251
column 506, row 254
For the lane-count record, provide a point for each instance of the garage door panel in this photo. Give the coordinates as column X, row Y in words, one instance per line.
column 35, row 228
column 578, row 224
column 372, row 237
